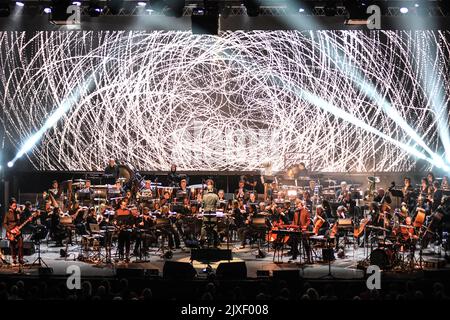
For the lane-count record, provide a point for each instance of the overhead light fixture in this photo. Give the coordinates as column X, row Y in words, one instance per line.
column 94, row 9
column 20, row 4
column 404, row 10
column 76, row 3
column 47, row 10
column 141, row 4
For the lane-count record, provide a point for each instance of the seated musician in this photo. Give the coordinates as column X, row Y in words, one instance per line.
column 166, row 199
column 444, row 184
column 240, row 193
column 382, row 196
column 314, row 190
column 307, row 201
column 11, row 220
column 221, row 195
column 144, row 224
column 91, row 219
column 323, row 226
column 349, row 204
column 248, row 231
column 252, row 199
column 77, row 213
column 340, row 193
column 169, row 230
column 183, row 191
column 123, row 219
column 342, row 212
column 54, row 190
column 58, row 232
column 116, row 193
column 111, row 172
column 279, row 198
column 289, row 213
column 278, row 216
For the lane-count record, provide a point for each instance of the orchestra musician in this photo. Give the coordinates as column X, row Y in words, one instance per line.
column 444, row 184
column 111, row 172
column 210, row 203
column 183, row 191
column 169, row 230
column 302, row 218
column 437, row 196
column 240, row 193
column 340, row 192
column 320, row 221
column 409, row 196
column 144, row 223
column 173, row 178
column 12, row 219
column 123, row 219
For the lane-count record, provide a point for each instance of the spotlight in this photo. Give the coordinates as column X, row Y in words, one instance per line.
column 404, row 10
column 20, row 4
column 94, row 8
column 141, row 4
column 10, row 164
column 253, row 7
column 47, row 10
column 76, row 3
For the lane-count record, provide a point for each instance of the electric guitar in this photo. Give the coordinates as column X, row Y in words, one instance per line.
column 12, row 234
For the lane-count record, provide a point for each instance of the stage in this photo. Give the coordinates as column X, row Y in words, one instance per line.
column 342, row 268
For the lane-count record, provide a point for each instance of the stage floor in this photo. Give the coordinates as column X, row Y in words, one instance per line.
column 342, row 268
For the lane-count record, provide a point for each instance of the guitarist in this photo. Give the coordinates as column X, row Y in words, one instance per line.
column 11, row 220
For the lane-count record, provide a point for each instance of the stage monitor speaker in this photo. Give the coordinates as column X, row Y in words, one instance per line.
column 210, row 255
column 129, row 273
column 178, row 271
column 288, row 275
column 232, row 270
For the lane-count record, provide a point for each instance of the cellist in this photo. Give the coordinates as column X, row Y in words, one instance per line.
column 320, row 222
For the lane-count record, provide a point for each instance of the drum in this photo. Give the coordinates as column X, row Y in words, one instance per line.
column 126, row 172
column 381, row 258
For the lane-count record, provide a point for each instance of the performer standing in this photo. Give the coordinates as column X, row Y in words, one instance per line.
column 124, row 221
column 210, row 203
column 173, row 177
column 111, row 171
column 11, row 220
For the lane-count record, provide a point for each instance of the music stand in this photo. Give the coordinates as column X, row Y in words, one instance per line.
column 38, row 235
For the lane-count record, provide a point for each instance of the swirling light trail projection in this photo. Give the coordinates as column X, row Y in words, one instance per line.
column 173, row 97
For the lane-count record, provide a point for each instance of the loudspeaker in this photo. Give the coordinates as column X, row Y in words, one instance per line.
column 178, row 270
column 289, row 275
column 210, row 255
column 328, row 254
column 129, row 273
column 232, row 270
